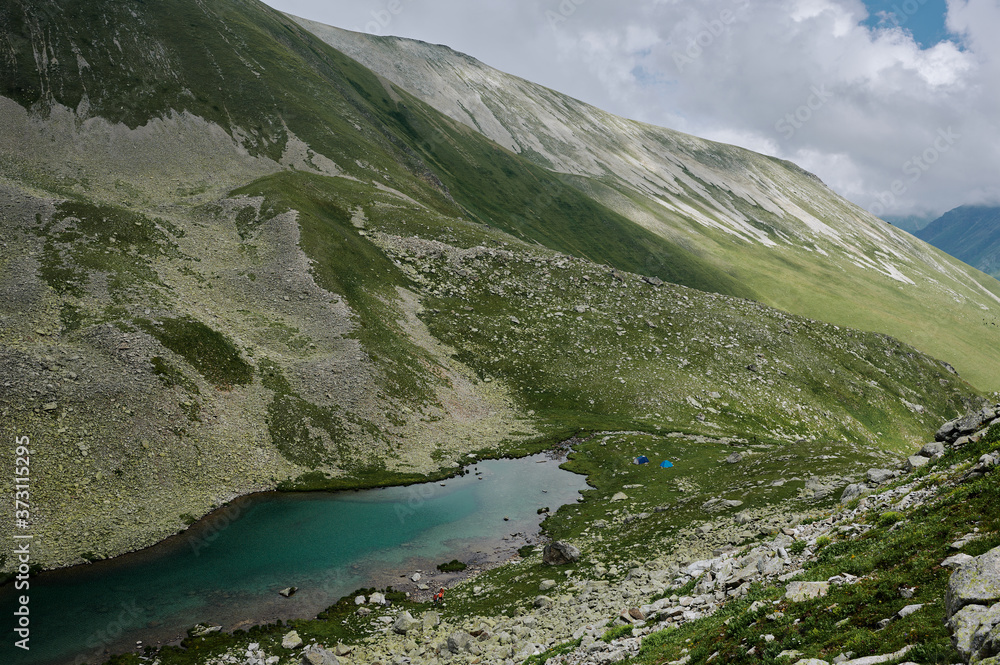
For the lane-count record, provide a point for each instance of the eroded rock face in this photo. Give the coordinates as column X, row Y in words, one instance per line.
column 975, row 583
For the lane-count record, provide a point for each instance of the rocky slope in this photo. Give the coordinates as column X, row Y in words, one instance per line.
column 777, row 229
column 970, row 234
column 897, row 571
column 257, row 264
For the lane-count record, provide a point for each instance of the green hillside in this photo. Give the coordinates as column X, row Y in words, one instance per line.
column 778, row 230
column 237, row 260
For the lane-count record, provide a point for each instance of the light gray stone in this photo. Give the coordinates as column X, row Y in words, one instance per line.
column 986, row 639
column 800, row 591
column 459, row 641
column 932, row 449
column 319, row 656
column 908, row 610
column 914, row 462
column 430, row 619
column 956, row 560
column 854, row 491
column 404, row 623
column 975, row 583
column 291, row 640
column 963, row 626
column 880, row 476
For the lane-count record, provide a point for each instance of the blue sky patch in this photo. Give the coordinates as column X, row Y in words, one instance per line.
column 924, row 19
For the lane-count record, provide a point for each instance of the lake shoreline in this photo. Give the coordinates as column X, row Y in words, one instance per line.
column 482, row 553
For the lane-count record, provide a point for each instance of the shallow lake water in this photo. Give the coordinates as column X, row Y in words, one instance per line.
column 228, row 568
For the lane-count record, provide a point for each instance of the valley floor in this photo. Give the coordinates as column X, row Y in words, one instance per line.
column 866, row 576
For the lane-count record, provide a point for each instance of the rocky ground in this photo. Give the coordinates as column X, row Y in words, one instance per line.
column 612, row 614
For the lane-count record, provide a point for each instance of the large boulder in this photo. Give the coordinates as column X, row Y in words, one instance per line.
column 854, row 491
column 291, row 640
column 405, row 623
column 975, row 583
column 914, row 462
column 932, row 449
column 460, row 641
column 800, row 591
column 879, row 476
column 319, row 656
column 986, row 640
column 964, row 625
column 559, row 553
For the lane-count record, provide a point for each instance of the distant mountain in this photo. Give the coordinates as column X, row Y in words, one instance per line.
column 910, row 223
column 969, row 233
column 775, row 228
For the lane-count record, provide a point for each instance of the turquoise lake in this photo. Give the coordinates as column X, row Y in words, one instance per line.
column 228, row 568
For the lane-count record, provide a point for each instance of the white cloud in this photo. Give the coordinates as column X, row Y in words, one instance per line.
column 864, row 103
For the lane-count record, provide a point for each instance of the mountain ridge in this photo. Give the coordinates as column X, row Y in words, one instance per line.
column 763, row 222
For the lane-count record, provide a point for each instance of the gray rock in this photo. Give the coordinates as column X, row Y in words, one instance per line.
column 542, row 601
column 800, row 591
column 914, row 462
column 947, row 431
column 956, row 560
column 963, row 626
column 342, row 649
column 319, row 656
column 459, row 641
column 735, row 458
column 405, row 623
column 879, row 476
column 559, row 553
column 291, row 640
column 975, row 583
column 546, row 585
column 289, row 591
column 986, row 640
column 932, row 449
column 430, row 619
column 854, row 491
column 908, row 610
column 203, row 629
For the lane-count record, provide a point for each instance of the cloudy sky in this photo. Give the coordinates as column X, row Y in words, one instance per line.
column 894, row 103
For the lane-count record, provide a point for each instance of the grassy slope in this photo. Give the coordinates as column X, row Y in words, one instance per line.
column 904, row 550
column 243, row 66
column 259, row 398
column 628, row 166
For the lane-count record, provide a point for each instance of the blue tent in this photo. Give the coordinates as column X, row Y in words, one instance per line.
column 641, row 459
column 666, row 464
